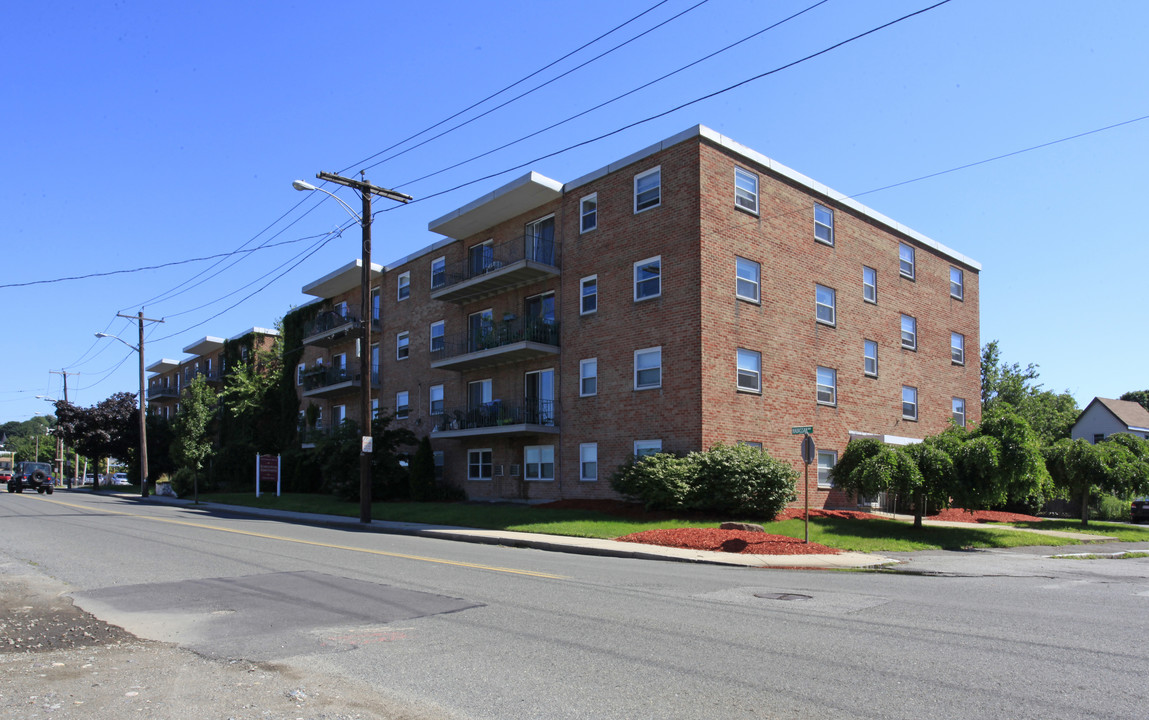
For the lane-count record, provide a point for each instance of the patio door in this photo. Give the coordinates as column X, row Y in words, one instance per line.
column 539, row 401
column 479, row 327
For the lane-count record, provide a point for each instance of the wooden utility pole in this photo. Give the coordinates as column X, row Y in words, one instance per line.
column 143, row 404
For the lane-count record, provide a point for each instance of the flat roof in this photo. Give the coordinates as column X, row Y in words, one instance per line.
column 255, row 331
column 339, row 281
column 204, row 345
column 515, row 198
column 163, row 365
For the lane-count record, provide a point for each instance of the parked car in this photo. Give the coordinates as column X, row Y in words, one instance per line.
column 1139, row 509
column 120, row 479
column 33, row 476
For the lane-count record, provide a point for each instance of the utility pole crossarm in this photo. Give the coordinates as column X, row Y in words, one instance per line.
column 365, row 187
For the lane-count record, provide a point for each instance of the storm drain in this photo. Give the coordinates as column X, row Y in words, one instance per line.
column 783, row 596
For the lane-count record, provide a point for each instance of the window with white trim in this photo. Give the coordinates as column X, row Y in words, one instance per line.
column 959, row 411
column 438, row 333
column 404, row 288
column 827, row 459
column 909, row 332
column 648, row 189
column 869, row 284
column 909, row 403
column 906, row 265
column 957, row 348
column 749, row 370
column 479, row 464
column 827, row 379
column 870, row 353
column 588, row 377
column 588, row 462
column 402, row 345
column 588, row 213
column 648, row 278
column 646, row 448
column 588, row 295
column 648, row 368
column 402, row 408
column 438, row 272
column 435, row 396
column 824, row 300
column 539, row 462
column 823, row 224
column 746, row 190
column 376, row 303
column 748, row 279
column 957, row 284
column 298, row 374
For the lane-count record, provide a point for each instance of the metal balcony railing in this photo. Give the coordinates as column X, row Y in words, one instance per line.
column 510, row 264
column 329, row 321
column 499, row 334
column 163, row 392
column 497, row 413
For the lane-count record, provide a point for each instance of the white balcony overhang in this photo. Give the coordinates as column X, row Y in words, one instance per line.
column 204, row 346
column 346, row 278
column 511, row 200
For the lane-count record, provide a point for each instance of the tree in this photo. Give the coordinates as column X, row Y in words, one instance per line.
column 1050, row 415
column 1119, row 465
column 192, row 443
column 1020, row 476
column 109, row 429
column 1137, row 396
column 869, row 467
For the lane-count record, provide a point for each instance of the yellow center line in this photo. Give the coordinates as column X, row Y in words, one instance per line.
column 473, row 566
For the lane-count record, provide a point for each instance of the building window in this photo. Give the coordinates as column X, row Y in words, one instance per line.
column 906, row 261
column 438, row 462
column 479, row 394
column 646, row 448
column 957, row 348
column 479, row 464
column 402, row 409
column 648, row 368
column 957, row 284
column 404, row 286
column 749, row 370
column 588, row 462
column 869, row 284
column 827, row 459
column 751, row 443
column 339, row 362
column 748, row 280
column 338, row 415
column 539, row 462
column 437, row 335
column 823, row 224
column 827, row 386
column 438, row 272
column 959, row 411
column 909, row 333
column 541, row 236
column 588, row 292
column 870, row 352
column 435, row 393
column 909, row 403
column 746, row 190
column 824, row 300
column 402, row 343
column 588, row 213
column 375, row 305
column 588, row 377
column 1097, row 437
column 298, row 374
column 648, row 190
column 374, row 407
column 648, row 278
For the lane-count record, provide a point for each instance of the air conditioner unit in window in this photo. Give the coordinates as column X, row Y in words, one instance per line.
column 497, row 470
column 514, row 471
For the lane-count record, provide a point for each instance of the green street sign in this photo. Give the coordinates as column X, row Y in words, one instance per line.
column 802, row 430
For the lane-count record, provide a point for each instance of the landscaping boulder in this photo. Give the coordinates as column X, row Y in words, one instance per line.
column 745, row 527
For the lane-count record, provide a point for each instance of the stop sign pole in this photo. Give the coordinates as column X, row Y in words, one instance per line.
column 808, row 455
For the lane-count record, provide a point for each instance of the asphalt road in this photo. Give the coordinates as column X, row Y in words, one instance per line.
column 489, row 632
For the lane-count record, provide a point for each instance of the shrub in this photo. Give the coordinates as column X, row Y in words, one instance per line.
column 739, row 479
column 183, row 481
column 1110, row 507
column 661, row 482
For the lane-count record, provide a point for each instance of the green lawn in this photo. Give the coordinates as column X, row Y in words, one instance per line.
column 859, row 535
column 1117, row 531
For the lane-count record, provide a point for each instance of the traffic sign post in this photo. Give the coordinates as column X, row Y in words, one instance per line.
column 809, row 452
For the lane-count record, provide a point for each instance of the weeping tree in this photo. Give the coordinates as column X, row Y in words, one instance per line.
column 869, row 467
column 1120, row 466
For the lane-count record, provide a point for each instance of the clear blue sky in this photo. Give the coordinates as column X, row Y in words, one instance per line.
column 140, row 133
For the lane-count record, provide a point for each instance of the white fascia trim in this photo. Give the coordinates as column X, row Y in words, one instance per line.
column 887, row 439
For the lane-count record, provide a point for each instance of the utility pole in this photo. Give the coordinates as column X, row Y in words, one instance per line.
column 366, row 190
column 60, row 455
column 143, row 405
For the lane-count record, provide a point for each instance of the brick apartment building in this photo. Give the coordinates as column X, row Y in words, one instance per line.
column 692, row 293
column 207, row 358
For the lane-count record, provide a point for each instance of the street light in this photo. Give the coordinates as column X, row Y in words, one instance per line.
column 366, row 190
column 143, row 407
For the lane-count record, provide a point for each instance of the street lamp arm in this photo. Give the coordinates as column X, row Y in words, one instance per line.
column 106, row 335
column 306, row 186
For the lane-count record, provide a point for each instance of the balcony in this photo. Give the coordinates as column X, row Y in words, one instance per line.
column 504, row 342
column 493, row 269
column 533, row 417
column 163, row 393
column 330, row 327
column 212, row 376
column 325, row 382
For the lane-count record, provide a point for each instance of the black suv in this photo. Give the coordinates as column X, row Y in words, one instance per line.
column 32, row 475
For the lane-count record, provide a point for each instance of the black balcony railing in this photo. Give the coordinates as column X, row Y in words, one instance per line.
column 161, row 392
column 489, row 258
column 499, row 334
column 497, row 413
column 330, row 320
column 208, row 375
column 321, row 377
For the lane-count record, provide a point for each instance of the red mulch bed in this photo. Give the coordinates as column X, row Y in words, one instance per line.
column 799, row 513
column 981, row 516
column 731, row 541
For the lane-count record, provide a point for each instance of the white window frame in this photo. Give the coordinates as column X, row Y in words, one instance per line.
column 648, row 204
column 435, row 394
column 909, row 337
column 441, row 326
column 298, row 374
column 957, row 287
column 909, row 402
column 821, row 307
column 586, row 215
column 957, row 408
column 588, row 455
column 403, row 283
column 823, row 230
column 480, row 464
column 746, row 190
column 338, row 415
column 642, row 264
column 440, row 262
column 403, row 345
column 748, row 370
column 869, row 284
column 827, row 459
column 907, row 264
column 645, row 352
column 588, row 281
column 402, row 404
column 957, row 348
column 585, row 377
column 543, row 452
column 743, row 283
column 870, row 358
column 643, row 448
column 826, row 380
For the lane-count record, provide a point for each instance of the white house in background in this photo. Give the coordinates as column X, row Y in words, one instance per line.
column 1103, row 417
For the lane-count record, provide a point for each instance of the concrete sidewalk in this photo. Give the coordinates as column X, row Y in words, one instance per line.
column 553, row 543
